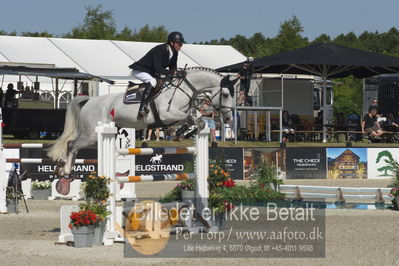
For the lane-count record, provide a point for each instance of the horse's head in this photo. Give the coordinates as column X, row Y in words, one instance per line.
column 225, row 99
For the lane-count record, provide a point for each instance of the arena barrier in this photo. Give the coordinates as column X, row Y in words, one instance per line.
column 106, row 166
column 340, row 194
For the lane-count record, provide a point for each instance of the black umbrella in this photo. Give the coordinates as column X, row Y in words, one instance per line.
column 326, row 60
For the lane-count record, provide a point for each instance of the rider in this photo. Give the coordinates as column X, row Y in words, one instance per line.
column 155, row 63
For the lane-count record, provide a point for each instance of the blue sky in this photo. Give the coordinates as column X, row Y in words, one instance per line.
column 207, row 19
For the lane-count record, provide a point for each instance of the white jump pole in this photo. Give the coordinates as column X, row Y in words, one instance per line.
column 106, row 166
column 202, row 170
column 3, row 176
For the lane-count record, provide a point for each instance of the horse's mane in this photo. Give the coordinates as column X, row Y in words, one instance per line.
column 204, row 69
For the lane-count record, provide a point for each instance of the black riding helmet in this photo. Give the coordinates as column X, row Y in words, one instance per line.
column 175, row 36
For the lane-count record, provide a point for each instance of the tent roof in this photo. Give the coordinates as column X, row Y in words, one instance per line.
column 33, row 50
column 324, row 59
column 62, row 73
column 105, row 57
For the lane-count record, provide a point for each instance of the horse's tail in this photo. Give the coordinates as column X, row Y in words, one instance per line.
column 58, row 151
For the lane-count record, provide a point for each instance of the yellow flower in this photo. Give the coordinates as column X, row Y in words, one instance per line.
column 102, row 176
column 91, row 177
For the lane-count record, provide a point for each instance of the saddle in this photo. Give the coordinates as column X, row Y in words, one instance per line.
column 63, row 185
column 134, row 92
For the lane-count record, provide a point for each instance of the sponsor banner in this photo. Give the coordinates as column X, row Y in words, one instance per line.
column 306, row 163
column 378, row 160
column 42, row 172
column 232, row 157
column 347, row 163
column 162, row 163
column 253, row 158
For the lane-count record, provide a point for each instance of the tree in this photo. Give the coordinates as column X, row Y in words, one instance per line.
column 259, row 45
column 348, row 96
column 13, row 33
column 154, row 34
column 289, row 36
column 36, row 34
column 97, row 24
column 126, row 34
column 349, row 40
column 322, row 38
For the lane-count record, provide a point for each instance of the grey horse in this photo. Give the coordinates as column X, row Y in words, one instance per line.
column 173, row 105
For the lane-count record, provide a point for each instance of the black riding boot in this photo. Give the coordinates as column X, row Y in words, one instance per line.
column 143, row 111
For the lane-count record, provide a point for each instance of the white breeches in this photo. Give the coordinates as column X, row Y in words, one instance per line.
column 144, row 77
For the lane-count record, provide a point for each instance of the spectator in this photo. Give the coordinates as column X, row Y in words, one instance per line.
column 287, row 126
column 374, row 104
column 318, row 122
column 391, row 123
column 150, row 133
column 10, row 96
column 208, row 116
column 245, row 74
column 1, row 97
column 370, row 124
column 340, row 122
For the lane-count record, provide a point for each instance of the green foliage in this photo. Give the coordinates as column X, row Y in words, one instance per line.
column 224, row 194
column 98, row 208
column 322, row 38
column 289, row 36
column 395, row 169
column 348, row 96
column 11, row 194
column 97, row 24
column 96, row 188
column 36, row 34
column 266, row 175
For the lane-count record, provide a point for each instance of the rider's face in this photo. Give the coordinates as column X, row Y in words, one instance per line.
column 177, row 46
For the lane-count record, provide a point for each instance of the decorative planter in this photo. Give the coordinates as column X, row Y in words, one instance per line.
column 41, row 194
column 99, row 231
column 187, row 195
column 11, row 207
column 83, row 236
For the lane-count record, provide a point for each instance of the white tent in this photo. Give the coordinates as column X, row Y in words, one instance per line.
column 105, row 58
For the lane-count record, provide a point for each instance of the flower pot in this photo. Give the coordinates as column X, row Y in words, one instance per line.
column 187, row 196
column 41, row 194
column 99, row 231
column 11, row 206
column 83, row 236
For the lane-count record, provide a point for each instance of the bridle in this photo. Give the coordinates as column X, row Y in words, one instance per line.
column 176, row 84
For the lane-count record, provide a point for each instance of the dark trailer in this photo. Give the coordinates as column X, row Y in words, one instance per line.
column 388, row 94
column 29, row 116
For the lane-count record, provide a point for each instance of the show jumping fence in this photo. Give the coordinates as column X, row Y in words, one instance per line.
column 107, row 153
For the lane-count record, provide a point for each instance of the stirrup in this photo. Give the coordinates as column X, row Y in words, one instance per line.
column 141, row 115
